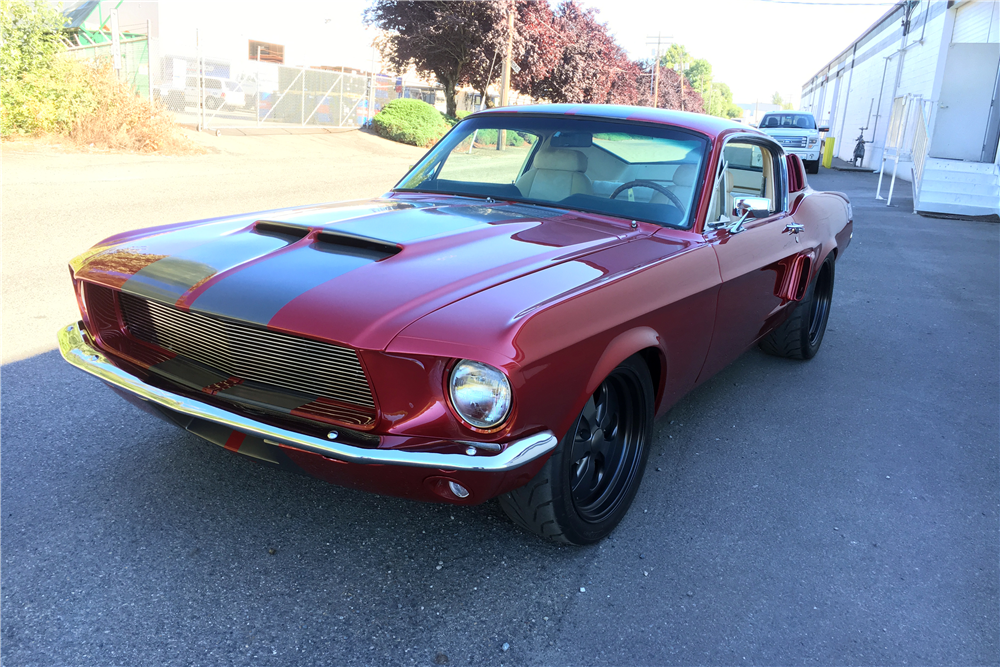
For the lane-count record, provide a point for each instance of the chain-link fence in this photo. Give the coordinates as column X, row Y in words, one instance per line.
column 134, row 60
column 217, row 85
column 215, row 88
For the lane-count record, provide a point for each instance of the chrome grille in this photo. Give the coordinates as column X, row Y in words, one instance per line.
column 254, row 354
column 794, row 142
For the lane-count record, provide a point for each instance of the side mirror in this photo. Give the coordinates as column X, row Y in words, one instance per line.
column 824, row 128
column 753, row 207
column 756, row 207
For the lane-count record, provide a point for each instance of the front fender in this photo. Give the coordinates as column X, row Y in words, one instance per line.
column 622, row 347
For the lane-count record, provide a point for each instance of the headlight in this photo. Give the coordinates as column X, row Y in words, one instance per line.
column 813, row 141
column 479, row 393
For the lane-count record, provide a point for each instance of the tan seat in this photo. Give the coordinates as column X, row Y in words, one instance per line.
column 683, row 183
column 556, row 174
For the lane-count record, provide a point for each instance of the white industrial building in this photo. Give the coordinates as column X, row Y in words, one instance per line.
column 922, row 86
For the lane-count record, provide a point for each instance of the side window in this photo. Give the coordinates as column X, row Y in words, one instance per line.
column 748, row 171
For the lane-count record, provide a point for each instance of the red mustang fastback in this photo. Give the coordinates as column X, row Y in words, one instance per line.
column 506, row 322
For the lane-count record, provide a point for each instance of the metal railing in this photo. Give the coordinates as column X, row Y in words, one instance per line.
column 920, row 147
column 900, row 140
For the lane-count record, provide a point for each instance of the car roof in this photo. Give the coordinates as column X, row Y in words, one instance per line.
column 709, row 125
column 787, row 113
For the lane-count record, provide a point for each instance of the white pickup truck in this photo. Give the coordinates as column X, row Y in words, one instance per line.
column 797, row 133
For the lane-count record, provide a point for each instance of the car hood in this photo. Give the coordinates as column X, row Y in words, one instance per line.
column 356, row 273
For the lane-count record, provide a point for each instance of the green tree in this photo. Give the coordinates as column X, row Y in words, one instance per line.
column 700, row 74
column 675, row 55
column 776, row 98
column 42, row 91
column 31, row 37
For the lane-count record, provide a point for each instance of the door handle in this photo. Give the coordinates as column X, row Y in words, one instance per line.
column 794, row 228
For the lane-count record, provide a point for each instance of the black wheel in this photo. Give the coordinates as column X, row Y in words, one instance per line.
column 812, row 166
column 588, row 483
column 799, row 337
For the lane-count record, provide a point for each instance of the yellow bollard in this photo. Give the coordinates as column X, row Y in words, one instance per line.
column 828, row 152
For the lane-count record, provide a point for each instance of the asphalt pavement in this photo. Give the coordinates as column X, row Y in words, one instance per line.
column 841, row 511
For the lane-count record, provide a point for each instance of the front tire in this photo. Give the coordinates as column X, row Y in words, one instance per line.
column 800, row 336
column 587, row 485
column 812, row 166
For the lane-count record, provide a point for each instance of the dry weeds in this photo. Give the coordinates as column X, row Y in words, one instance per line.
column 124, row 121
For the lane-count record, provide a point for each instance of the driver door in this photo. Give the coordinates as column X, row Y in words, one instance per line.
column 753, row 257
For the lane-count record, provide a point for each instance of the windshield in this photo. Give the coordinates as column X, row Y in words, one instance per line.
column 633, row 171
column 788, row 121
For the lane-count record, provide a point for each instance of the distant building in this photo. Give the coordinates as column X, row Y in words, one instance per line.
column 753, row 112
column 928, row 71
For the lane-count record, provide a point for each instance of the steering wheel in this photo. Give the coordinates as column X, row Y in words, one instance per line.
column 652, row 185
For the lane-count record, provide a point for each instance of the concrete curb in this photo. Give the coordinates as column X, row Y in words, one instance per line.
column 266, row 131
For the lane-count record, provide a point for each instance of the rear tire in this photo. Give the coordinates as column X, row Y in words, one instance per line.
column 587, row 485
column 800, row 336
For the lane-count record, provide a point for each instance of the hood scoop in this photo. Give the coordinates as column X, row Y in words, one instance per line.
column 281, row 230
column 339, row 243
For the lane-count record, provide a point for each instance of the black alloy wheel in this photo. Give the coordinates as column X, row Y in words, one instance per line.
column 604, row 457
column 587, row 485
column 819, row 309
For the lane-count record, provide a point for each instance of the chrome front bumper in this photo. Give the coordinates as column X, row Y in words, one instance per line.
column 805, row 153
column 77, row 351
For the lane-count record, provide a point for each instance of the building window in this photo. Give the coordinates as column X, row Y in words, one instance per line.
column 269, row 53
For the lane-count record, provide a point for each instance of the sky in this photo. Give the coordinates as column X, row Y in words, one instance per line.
column 757, row 47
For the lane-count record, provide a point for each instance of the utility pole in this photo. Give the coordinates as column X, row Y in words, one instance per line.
column 371, row 89
column 659, row 40
column 505, row 91
column 682, row 82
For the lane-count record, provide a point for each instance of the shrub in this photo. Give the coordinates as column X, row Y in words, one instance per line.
column 489, row 138
column 410, row 122
column 45, row 91
column 40, row 92
column 52, row 99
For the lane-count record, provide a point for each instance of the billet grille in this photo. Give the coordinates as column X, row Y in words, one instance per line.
column 794, row 142
column 254, row 354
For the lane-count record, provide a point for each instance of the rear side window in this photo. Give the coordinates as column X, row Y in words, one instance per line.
column 744, row 156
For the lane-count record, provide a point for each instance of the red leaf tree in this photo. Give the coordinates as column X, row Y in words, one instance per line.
column 670, row 91
column 446, row 39
column 567, row 55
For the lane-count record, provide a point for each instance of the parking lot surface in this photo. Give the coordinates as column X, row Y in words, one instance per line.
column 838, row 511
